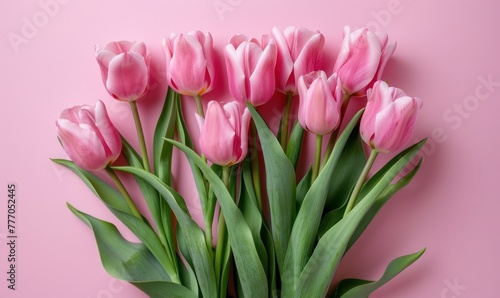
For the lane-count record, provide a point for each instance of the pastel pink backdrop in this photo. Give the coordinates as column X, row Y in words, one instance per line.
column 446, row 49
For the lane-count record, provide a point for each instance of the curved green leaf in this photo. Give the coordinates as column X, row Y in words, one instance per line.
column 130, row 261
column 346, row 173
column 294, row 144
column 380, row 202
column 308, row 220
column 159, row 208
column 193, row 234
column 165, row 128
column 353, row 288
column 250, row 210
column 250, row 270
column 303, row 187
column 115, row 202
column 316, row 277
column 280, row 181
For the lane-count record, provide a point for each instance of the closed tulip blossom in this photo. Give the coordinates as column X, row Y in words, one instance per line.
column 299, row 52
column 250, row 69
column 190, row 63
column 124, row 69
column 224, row 133
column 88, row 136
column 320, row 102
column 387, row 123
column 362, row 59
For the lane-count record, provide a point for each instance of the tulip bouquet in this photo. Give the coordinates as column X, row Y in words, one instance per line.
column 284, row 238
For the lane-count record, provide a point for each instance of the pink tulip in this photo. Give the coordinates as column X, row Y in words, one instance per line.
column 362, row 59
column 224, row 133
column 299, row 52
column 124, row 69
column 388, row 120
column 88, row 136
column 190, row 63
column 320, row 102
column 250, row 69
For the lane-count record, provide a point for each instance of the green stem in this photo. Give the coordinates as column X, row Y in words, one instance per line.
column 255, row 165
column 124, row 192
column 335, row 134
column 208, row 214
column 317, row 157
column 285, row 121
column 199, row 106
column 140, row 135
column 361, row 180
column 222, row 241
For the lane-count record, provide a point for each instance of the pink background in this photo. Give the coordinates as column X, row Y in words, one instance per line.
column 444, row 49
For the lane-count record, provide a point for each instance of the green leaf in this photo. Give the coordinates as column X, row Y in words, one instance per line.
column 295, row 143
column 308, row 219
column 380, row 202
column 159, row 211
column 188, row 277
column 267, row 239
column 346, row 173
column 250, row 210
column 164, row 290
column 162, row 161
column 115, row 202
column 330, row 219
column 193, row 235
column 130, row 261
column 353, row 288
column 107, row 194
column 165, row 128
column 250, row 270
column 316, row 277
column 303, row 187
column 280, row 181
column 199, row 180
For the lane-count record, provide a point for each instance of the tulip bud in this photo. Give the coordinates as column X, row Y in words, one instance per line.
column 224, row 133
column 320, row 102
column 362, row 59
column 389, row 117
column 299, row 52
column 250, row 69
column 124, row 69
column 190, row 63
column 88, row 136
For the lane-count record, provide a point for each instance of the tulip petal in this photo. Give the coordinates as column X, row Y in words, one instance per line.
column 119, row 47
column 362, row 63
column 82, row 145
column 207, row 43
column 128, row 77
column 262, row 80
column 235, row 74
column 108, row 131
column 217, row 137
column 188, row 66
column 344, row 50
column 284, row 62
column 309, row 58
column 139, row 48
column 238, row 39
column 245, row 124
